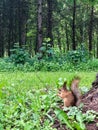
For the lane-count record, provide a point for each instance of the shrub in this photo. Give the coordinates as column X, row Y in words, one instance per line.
column 19, row 55
column 43, row 65
column 72, row 61
column 6, row 66
column 77, row 56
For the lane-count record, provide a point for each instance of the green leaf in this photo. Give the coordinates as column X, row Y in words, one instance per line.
column 78, row 126
column 62, row 116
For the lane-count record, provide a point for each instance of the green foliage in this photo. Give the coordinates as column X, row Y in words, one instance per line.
column 43, row 65
column 61, row 81
column 78, row 56
column 76, row 112
column 6, row 66
column 64, row 118
column 84, row 89
column 23, row 110
column 49, row 60
column 74, row 118
column 46, row 50
column 27, row 99
column 19, row 55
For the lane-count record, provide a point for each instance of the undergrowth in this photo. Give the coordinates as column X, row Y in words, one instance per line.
column 48, row 59
column 43, row 65
column 26, row 99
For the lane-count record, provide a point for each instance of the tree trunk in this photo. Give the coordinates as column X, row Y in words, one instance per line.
column 39, row 26
column 19, row 22
column 1, row 31
column 91, row 29
column 59, row 41
column 22, row 17
column 10, row 27
column 67, row 38
column 49, row 21
column 1, row 39
column 74, row 27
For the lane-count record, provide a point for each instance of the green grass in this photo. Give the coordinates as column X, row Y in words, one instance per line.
column 42, row 79
column 23, row 97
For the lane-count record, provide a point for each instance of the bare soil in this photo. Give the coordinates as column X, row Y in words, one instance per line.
column 90, row 101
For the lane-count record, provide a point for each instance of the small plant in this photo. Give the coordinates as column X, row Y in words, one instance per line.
column 77, row 56
column 84, row 89
column 74, row 118
column 19, row 55
column 46, row 51
column 61, row 82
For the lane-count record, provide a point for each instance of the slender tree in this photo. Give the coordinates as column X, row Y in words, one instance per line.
column 22, row 18
column 39, row 26
column 91, row 28
column 49, row 20
column 74, row 26
column 1, row 30
column 67, row 38
column 10, row 27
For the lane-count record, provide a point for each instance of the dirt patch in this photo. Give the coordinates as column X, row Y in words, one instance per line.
column 90, row 101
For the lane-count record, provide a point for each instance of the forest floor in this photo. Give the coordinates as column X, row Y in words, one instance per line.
column 20, row 90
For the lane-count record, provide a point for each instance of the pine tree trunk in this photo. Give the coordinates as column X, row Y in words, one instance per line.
column 91, row 29
column 74, row 27
column 59, row 41
column 67, row 38
column 1, row 31
column 1, row 40
column 49, row 21
column 10, row 27
column 22, row 17
column 39, row 27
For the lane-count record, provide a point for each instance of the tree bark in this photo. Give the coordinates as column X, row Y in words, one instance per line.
column 10, row 27
column 39, row 27
column 49, row 20
column 67, row 38
column 1, row 31
column 59, row 41
column 22, row 17
column 91, row 29
column 74, row 27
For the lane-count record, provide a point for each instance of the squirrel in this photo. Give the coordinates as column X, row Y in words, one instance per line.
column 67, row 96
column 72, row 97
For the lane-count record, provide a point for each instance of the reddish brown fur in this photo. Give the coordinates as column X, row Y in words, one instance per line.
column 72, row 97
column 76, row 91
column 67, row 96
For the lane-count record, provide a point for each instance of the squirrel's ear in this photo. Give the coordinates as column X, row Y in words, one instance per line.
column 64, row 85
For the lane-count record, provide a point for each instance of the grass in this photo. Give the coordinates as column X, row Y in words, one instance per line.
column 41, row 79
column 23, row 97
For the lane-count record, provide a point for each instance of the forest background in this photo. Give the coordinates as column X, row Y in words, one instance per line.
column 44, row 43
column 54, row 34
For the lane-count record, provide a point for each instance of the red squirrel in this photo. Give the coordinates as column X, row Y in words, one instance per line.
column 67, row 96
column 71, row 98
